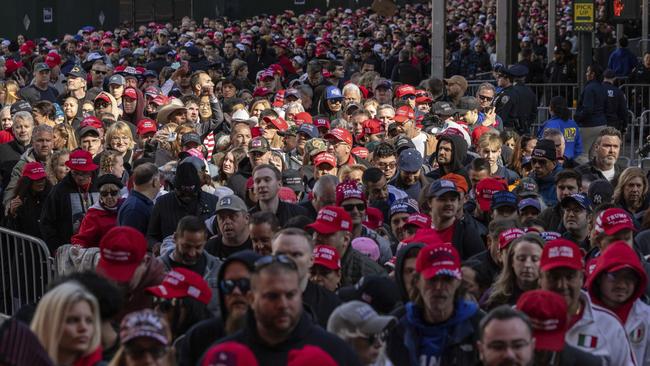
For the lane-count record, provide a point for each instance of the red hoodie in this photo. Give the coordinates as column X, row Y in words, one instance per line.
column 617, row 256
column 94, row 225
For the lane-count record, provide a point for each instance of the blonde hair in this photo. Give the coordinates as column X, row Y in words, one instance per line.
column 506, row 281
column 51, row 314
column 489, row 139
column 267, row 105
column 67, row 132
column 118, row 128
column 626, row 176
column 52, row 162
column 345, row 171
column 11, row 89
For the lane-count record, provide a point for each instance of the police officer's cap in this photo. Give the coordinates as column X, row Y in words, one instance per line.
column 517, row 71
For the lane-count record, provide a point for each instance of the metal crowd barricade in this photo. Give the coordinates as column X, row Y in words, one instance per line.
column 639, row 129
column 26, row 269
column 638, row 97
column 546, row 91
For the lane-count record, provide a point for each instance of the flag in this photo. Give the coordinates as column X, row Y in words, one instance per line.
column 587, row 341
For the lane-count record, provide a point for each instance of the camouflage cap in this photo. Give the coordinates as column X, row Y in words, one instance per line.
column 315, row 146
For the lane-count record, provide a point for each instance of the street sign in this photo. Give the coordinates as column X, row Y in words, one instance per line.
column 620, row 11
column 583, row 15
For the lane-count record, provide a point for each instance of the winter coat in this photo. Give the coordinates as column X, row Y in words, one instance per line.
column 547, row 186
column 355, row 265
column 95, row 224
column 168, row 210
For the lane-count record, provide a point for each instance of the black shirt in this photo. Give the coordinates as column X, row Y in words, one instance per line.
column 284, row 212
column 198, row 267
column 321, row 301
column 217, row 248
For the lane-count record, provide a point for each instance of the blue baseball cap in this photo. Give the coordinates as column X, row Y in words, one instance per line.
column 529, row 202
column 503, row 199
column 309, row 130
column 442, row 186
column 333, row 92
column 410, row 160
column 404, row 205
column 579, row 198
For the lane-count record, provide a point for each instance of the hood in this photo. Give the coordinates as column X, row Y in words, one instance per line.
column 245, row 168
column 136, row 116
column 399, row 269
column 114, row 108
column 248, row 258
column 459, row 151
column 618, row 255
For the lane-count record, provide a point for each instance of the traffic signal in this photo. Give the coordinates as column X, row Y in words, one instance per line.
column 620, row 11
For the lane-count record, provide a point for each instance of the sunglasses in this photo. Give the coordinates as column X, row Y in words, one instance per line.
column 101, row 105
column 138, row 353
column 351, row 206
column 107, row 193
column 487, row 99
column 376, row 338
column 270, row 259
column 164, row 305
column 537, row 161
column 99, row 72
column 228, row 286
column 407, row 97
column 335, row 101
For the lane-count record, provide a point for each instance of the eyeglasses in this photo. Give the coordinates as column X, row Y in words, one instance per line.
column 538, row 161
column 99, row 72
column 138, row 353
column 486, row 98
column 384, row 166
column 228, row 286
column 351, row 206
column 107, row 193
column 270, row 259
column 335, row 101
column 101, row 104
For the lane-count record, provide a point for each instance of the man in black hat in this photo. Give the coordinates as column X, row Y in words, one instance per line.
column 545, row 167
column 517, row 103
column 76, row 86
column 40, row 88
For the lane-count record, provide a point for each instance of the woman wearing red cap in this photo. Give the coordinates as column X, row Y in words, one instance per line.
column 27, row 203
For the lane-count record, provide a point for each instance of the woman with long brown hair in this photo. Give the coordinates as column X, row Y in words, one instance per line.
column 631, row 192
column 523, row 149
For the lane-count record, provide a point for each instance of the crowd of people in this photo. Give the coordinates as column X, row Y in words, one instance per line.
column 295, row 189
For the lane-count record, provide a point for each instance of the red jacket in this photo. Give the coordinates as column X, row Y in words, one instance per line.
column 6, row 136
column 94, row 225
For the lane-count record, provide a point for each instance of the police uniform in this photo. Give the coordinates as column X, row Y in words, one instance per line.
column 517, row 104
column 600, row 333
column 615, row 107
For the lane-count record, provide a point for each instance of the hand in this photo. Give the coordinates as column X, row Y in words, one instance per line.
column 14, row 204
column 490, row 118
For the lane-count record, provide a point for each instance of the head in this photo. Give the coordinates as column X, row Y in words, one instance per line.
column 564, row 277
column 632, row 187
column 297, row 245
column 235, row 285
column 240, row 135
column 567, row 182
column 489, row 148
column 324, row 192
column 268, row 180
column 438, row 280
column 556, row 136
column 506, row 338
column 375, row 184
column 233, row 224
column 23, row 124
column 263, row 226
column 485, row 95
column 42, row 141
column 118, row 137
column 608, row 147
column 385, row 159
column 444, row 206
column 67, row 321
column 190, row 238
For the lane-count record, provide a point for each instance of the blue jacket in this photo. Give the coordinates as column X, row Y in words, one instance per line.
column 591, row 105
column 571, row 133
column 547, row 186
column 622, row 61
column 135, row 212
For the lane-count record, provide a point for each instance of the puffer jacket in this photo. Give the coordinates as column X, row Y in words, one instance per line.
column 95, row 224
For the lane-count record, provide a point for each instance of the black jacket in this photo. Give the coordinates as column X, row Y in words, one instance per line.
column 238, row 180
column 63, row 212
column 168, row 210
column 589, row 168
column 305, row 333
column 28, row 215
column 616, row 107
column 591, row 105
column 321, row 301
column 9, row 155
column 458, row 159
column 552, row 217
column 467, row 237
column 405, row 73
column 198, row 338
column 284, row 212
column 487, row 264
column 355, row 265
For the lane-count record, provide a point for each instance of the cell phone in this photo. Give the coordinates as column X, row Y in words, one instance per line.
column 176, row 65
column 172, row 136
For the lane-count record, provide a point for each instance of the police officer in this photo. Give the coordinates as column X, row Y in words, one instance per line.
column 616, row 104
column 517, row 103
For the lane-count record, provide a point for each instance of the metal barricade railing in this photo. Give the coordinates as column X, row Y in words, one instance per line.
column 546, row 91
column 638, row 97
column 639, row 129
column 26, row 269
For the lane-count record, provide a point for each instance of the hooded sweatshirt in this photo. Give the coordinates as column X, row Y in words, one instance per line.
column 115, row 110
column 459, row 153
column 634, row 314
column 203, row 334
column 399, row 269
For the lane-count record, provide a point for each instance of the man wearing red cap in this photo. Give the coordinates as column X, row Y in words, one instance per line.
column 333, row 227
column 326, row 269
column 591, row 327
column 69, row 200
column 341, row 139
column 438, row 327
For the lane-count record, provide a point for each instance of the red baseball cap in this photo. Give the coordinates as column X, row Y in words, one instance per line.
column 325, row 158
column 82, row 161
column 507, row 236
column 347, row 190
column 420, row 220
column 404, row 90
column 146, row 125
column 374, row 218
column 422, row 96
column 322, row 122
column 561, row 253
column 34, row 171
column 331, row 219
column 438, row 260
column 339, row 134
column 181, row 282
column 121, row 251
column 373, row 127
column 327, row 256
column 53, row 59
column 404, row 113
column 302, row 117
column 547, row 312
column 261, row 92
column 287, row 194
column 458, row 179
column 230, row 354
column 130, row 92
column 360, row 152
column 91, row 121
column 310, row 355
column 487, row 187
column 613, row 220
column 278, row 123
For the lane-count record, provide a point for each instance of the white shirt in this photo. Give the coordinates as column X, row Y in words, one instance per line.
column 420, row 142
column 600, row 333
column 637, row 328
column 609, row 174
